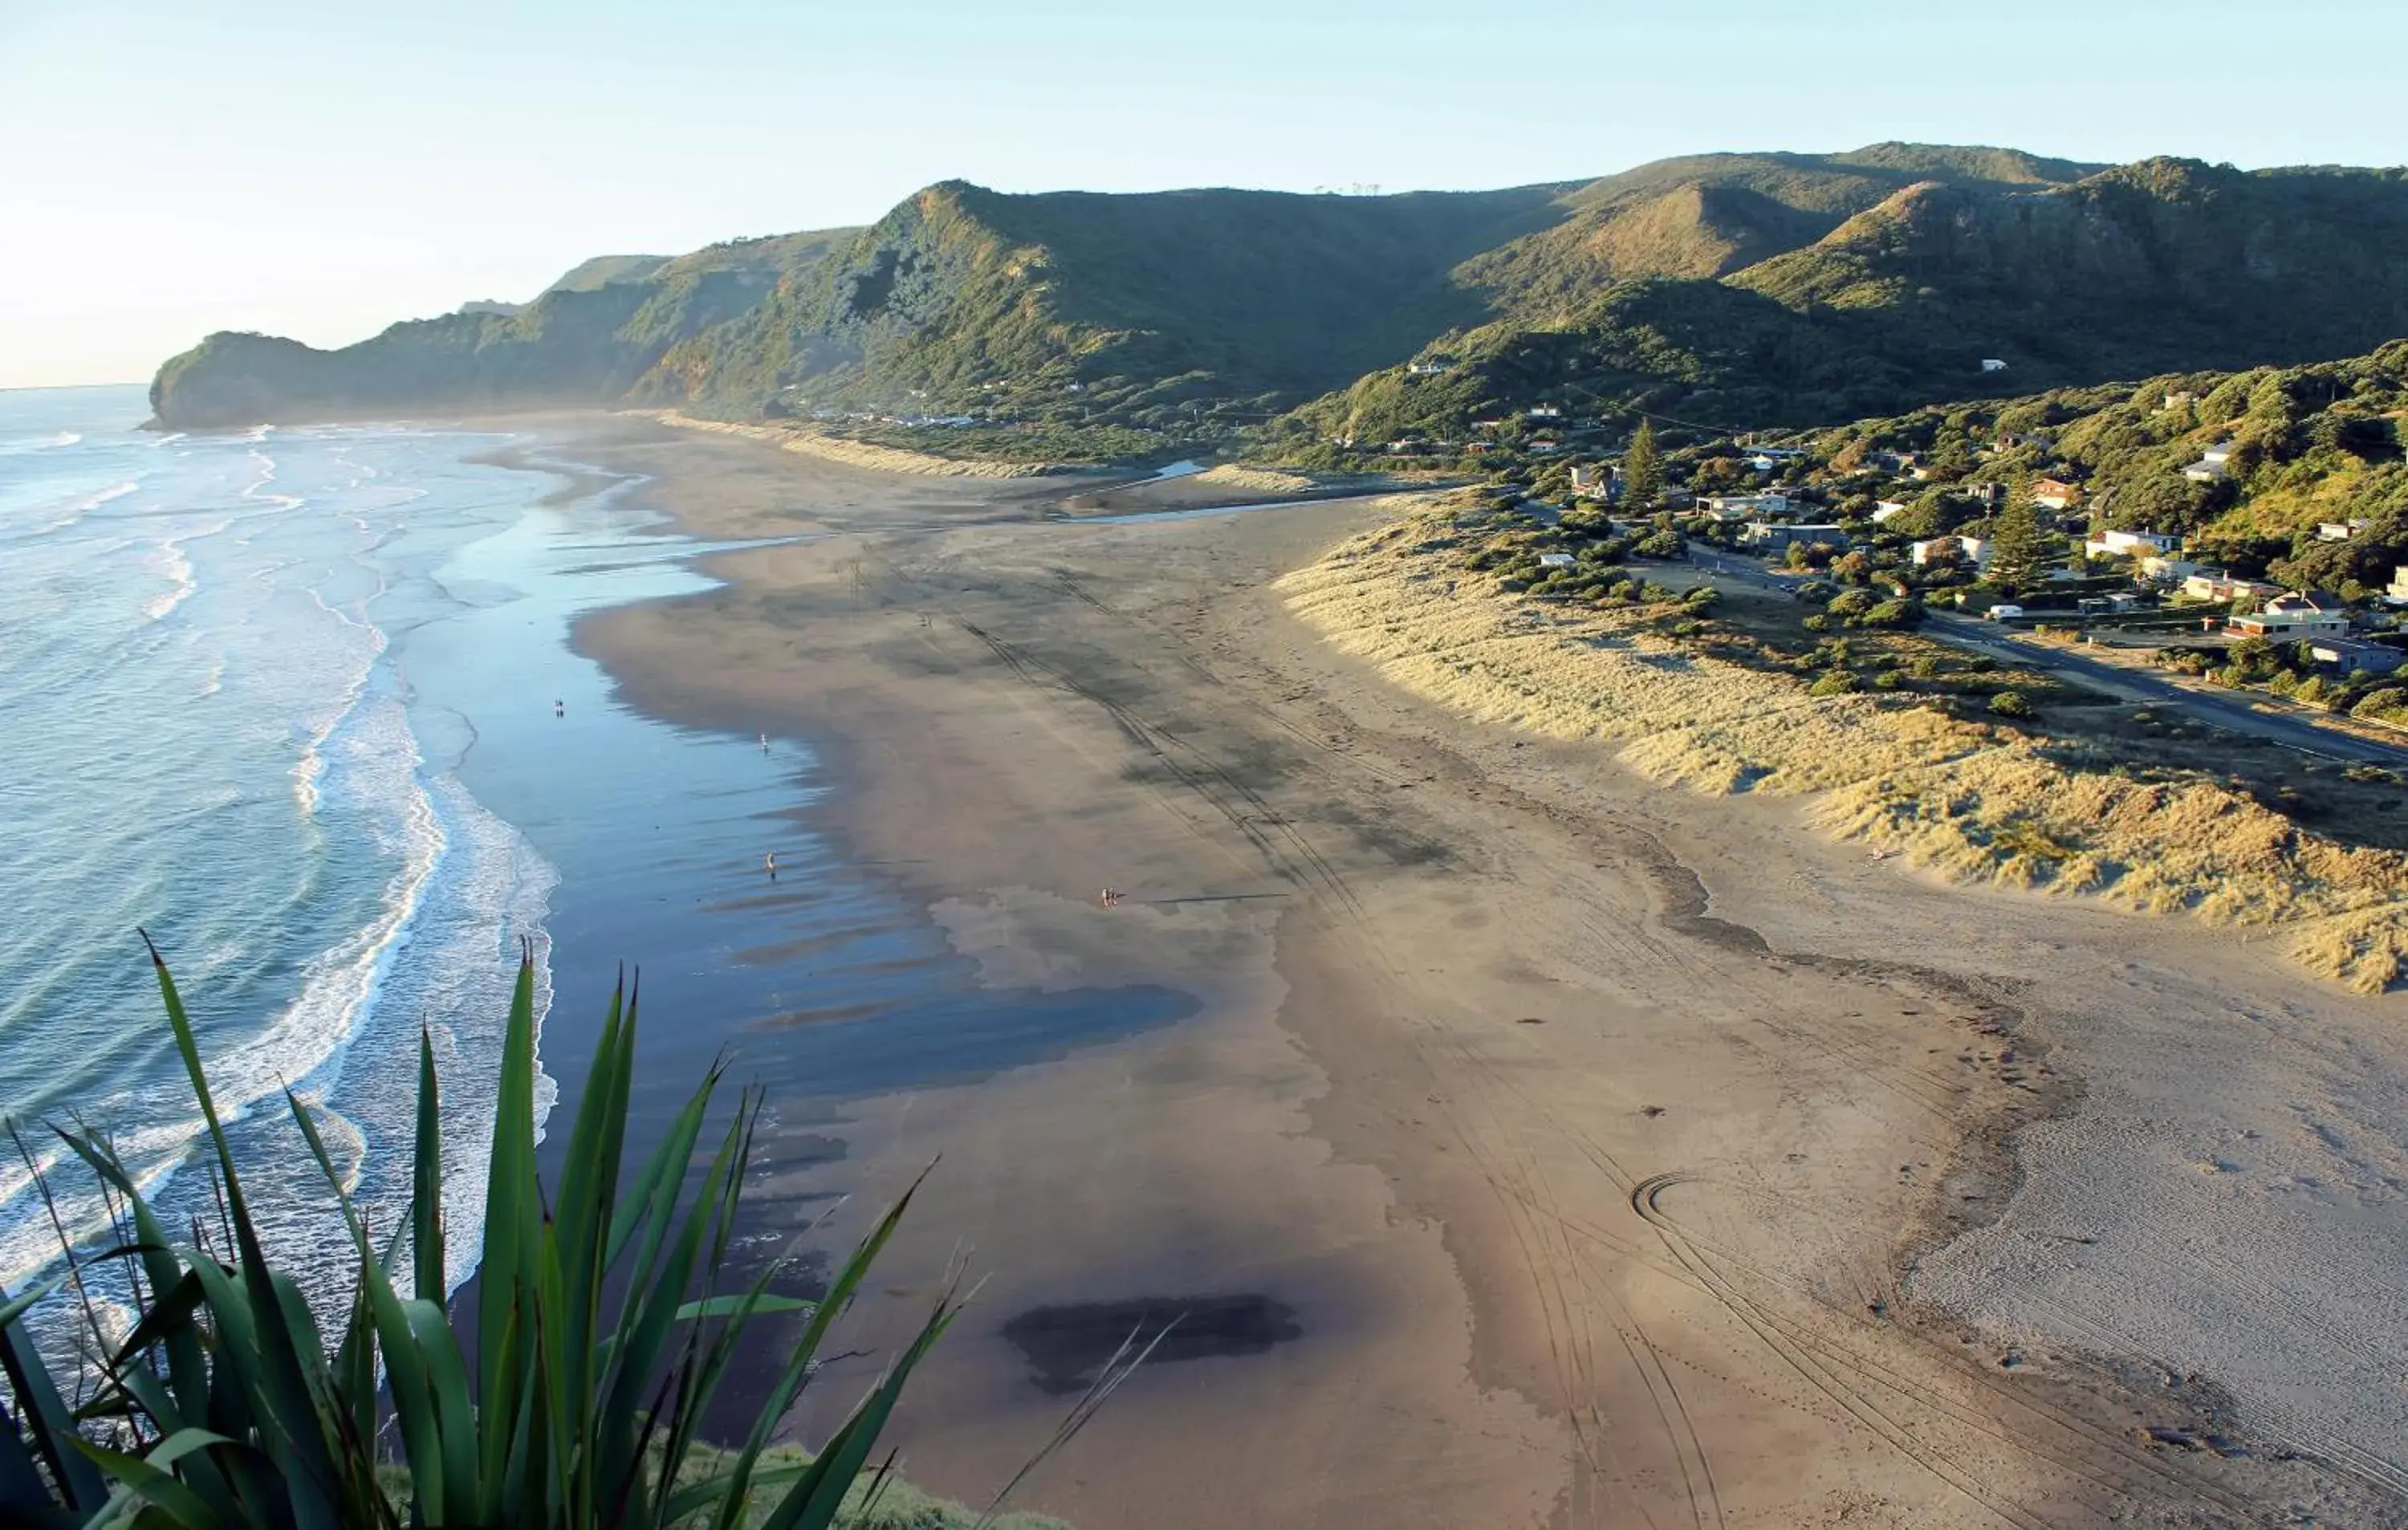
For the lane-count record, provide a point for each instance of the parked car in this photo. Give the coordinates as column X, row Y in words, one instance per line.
column 2000, row 613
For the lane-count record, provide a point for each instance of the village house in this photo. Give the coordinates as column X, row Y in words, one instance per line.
column 2158, row 570
column 2210, row 465
column 1433, row 369
column 2009, row 441
column 1972, row 549
column 1990, row 495
column 2216, row 584
column 2055, row 493
column 2397, row 594
column 1593, row 482
column 2127, row 544
column 2351, row 656
column 1556, row 560
column 2340, row 531
column 2178, row 399
column 1778, row 537
column 1885, row 508
column 1745, row 507
column 2308, row 614
column 1542, row 411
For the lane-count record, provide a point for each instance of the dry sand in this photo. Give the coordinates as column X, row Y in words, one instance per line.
column 1551, row 1146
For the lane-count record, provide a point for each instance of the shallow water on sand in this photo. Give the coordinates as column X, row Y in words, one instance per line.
column 301, row 704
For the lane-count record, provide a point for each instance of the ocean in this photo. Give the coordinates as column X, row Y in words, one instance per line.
column 301, row 703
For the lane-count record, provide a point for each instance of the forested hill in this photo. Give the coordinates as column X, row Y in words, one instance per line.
column 1752, row 288
column 2309, row 483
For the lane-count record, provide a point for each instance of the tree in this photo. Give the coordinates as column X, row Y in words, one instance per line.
column 1642, row 469
column 2018, row 547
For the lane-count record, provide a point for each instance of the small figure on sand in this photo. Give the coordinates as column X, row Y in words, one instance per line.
column 765, row 743
column 1109, row 897
column 769, row 862
column 559, row 708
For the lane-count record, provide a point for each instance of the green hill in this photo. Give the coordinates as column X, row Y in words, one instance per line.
column 2309, row 448
column 1743, row 289
column 1902, row 295
column 588, row 340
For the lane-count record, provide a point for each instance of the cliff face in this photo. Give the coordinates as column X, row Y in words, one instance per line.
column 1785, row 286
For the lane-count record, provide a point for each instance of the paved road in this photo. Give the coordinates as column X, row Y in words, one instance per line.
column 2290, row 730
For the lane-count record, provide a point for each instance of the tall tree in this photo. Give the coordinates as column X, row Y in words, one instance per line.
column 2018, row 548
column 1642, row 469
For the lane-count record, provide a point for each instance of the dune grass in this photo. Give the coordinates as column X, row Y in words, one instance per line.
column 1978, row 801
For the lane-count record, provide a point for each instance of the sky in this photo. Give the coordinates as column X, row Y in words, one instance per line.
column 320, row 170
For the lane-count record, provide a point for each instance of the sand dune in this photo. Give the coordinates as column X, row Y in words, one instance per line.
column 1975, row 801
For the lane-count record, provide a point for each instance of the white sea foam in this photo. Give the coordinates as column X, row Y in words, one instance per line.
column 181, row 581
column 311, row 762
column 52, row 442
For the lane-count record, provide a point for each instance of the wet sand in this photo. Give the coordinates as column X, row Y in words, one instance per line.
column 1547, row 1148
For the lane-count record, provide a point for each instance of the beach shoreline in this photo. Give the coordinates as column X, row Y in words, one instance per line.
column 1546, row 1147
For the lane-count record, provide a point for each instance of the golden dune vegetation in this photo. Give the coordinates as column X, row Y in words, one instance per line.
column 1258, row 480
column 883, row 459
column 1973, row 800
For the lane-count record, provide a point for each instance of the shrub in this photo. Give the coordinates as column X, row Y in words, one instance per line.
column 1817, row 623
column 2384, row 705
column 1705, row 597
column 1850, row 604
column 1838, row 682
column 1888, row 680
column 594, row 1360
column 2010, row 704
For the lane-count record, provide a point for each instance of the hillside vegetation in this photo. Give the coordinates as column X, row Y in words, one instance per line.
column 1747, row 289
column 1884, row 293
column 588, row 338
column 2309, row 448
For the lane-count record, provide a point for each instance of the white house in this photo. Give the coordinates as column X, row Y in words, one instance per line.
column 2397, row 594
column 1972, row 549
column 1429, row 369
column 2353, row 657
column 1777, row 536
column 2056, row 494
column 1741, row 506
column 1556, row 560
column 2216, row 584
column 2308, row 613
column 2210, row 465
column 2340, row 531
column 2127, row 544
column 1885, row 508
column 2164, row 570
column 1595, row 482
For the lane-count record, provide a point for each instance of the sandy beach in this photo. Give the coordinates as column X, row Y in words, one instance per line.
column 1546, row 1146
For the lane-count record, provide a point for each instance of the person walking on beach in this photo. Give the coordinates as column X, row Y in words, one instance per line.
column 559, row 708
column 770, row 860
column 765, row 743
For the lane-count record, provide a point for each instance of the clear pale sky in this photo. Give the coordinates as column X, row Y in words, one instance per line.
column 322, row 169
